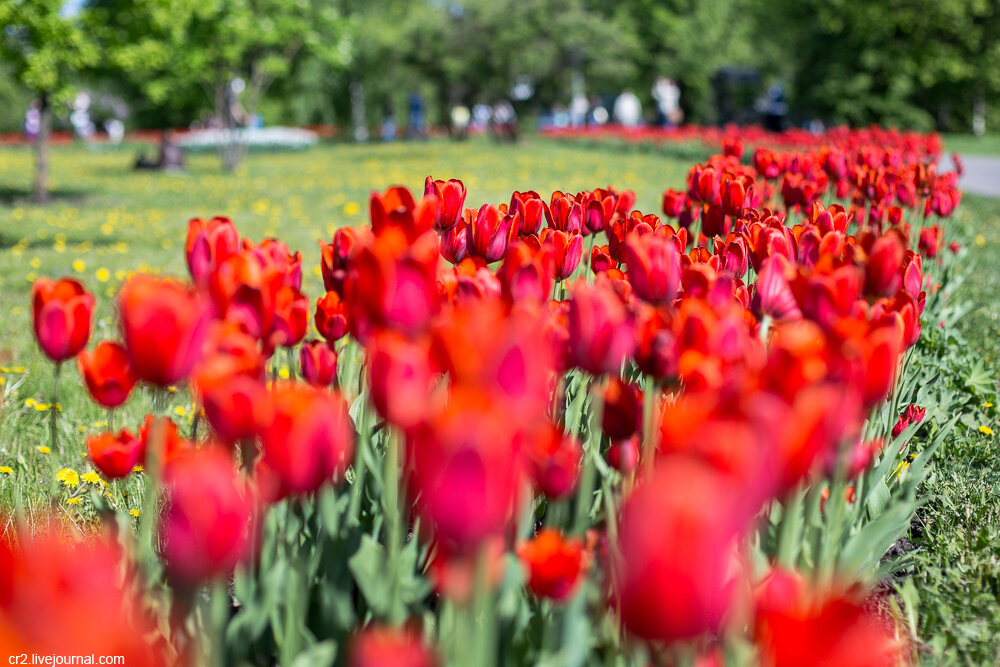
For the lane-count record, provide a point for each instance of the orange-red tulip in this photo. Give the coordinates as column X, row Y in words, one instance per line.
column 556, row 565
column 115, row 455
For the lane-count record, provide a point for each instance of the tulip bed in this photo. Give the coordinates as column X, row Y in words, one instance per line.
column 552, row 431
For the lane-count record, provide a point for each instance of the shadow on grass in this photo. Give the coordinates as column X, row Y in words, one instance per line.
column 14, row 196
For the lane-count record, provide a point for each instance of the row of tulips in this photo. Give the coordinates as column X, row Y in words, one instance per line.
column 677, row 446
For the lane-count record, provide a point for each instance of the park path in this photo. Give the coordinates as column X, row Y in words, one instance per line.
column 982, row 175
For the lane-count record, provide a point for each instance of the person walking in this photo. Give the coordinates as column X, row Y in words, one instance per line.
column 628, row 109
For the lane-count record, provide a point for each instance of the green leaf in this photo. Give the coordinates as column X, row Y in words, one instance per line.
column 323, row 653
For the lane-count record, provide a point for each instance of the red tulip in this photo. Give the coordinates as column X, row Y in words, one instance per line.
column 62, row 311
column 331, row 317
column 451, row 195
column 555, row 461
column 672, row 570
column 274, row 253
column 318, row 362
column 392, row 282
column 601, row 330
column 556, row 565
column 389, row 647
column 884, row 266
column 733, row 197
column 704, row 184
column 291, row 318
column 531, row 208
column 115, row 455
column 88, row 600
column 623, row 455
column 209, row 244
column 334, row 256
column 798, row 627
column 206, row 525
column 309, row 441
column 566, row 251
column 621, row 416
column 107, row 373
column 564, row 213
column 396, row 209
column 235, row 401
column 455, row 242
column 526, row 273
column 464, row 472
column 490, row 232
column 654, row 267
column 673, row 203
column 163, row 327
column 163, row 433
column 401, row 377
column 772, row 296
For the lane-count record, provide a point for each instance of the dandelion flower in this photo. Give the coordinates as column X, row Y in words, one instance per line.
column 6, row 470
column 92, row 478
column 103, row 275
column 72, row 501
column 136, row 468
column 79, row 265
column 985, row 430
column 44, row 450
column 68, row 477
column 134, row 512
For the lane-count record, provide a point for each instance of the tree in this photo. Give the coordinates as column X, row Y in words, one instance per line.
column 170, row 47
column 45, row 50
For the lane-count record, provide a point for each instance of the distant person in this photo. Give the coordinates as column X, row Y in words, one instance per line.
column 598, row 113
column 115, row 129
column 388, row 132
column 578, row 109
column 628, row 109
column 33, row 120
column 774, row 108
column 170, row 158
column 79, row 118
column 667, row 95
column 460, row 117
column 416, row 127
column 504, row 121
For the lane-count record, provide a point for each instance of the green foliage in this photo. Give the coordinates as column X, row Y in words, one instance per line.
column 44, row 48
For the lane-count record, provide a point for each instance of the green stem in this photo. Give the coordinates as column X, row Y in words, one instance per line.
column 390, row 488
column 650, row 432
column 54, row 410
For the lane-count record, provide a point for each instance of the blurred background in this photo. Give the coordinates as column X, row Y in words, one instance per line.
column 383, row 69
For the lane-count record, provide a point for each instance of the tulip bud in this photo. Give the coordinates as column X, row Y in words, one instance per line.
column 107, row 373
column 115, row 455
column 556, row 565
column 318, row 362
column 62, row 312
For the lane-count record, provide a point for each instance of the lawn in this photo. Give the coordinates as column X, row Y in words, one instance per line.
column 107, row 220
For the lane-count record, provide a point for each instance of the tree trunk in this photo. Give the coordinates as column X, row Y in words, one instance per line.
column 42, row 151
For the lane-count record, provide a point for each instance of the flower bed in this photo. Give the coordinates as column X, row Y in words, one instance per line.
column 255, row 139
column 551, row 430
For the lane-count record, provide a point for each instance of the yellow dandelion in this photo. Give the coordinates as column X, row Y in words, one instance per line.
column 987, row 404
column 35, row 263
column 43, row 449
column 79, row 265
column 92, row 478
column 29, row 402
column 980, row 240
column 103, row 275
column 134, row 512
column 283, row 373
column 352, row 208
column 172, row 389
column 72, row 501
column 136, row 468
column 6, row 470
column 68, row 477
column 985, row 430
column 179, row 411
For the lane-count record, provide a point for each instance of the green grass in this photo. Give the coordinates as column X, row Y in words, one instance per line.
column 969, row 144
column 107, row 220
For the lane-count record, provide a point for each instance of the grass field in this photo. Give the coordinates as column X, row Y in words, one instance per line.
column 107, row 220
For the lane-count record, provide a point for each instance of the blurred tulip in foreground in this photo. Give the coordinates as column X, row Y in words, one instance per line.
column 107, row 373
column 555, row 564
